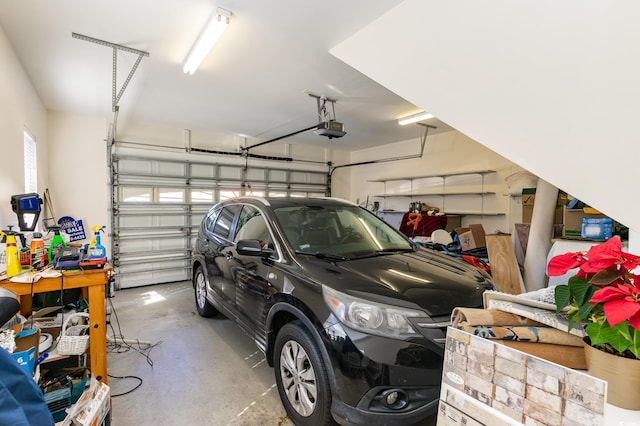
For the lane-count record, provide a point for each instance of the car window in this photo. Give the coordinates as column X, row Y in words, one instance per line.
column 252, row 226
column 210, row 219
column 222, row 226
column 341, row 230
column 369, row 226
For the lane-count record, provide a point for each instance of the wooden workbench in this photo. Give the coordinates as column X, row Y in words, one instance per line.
column 93, row 283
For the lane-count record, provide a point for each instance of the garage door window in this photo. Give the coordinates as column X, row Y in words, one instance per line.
column 170, row 196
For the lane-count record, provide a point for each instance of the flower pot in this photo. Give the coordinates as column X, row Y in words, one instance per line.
column 621, row 374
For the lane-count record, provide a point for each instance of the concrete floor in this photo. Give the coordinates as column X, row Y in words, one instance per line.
column 200, row 371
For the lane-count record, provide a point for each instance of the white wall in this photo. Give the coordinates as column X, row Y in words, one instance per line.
column 20, row 110
column 553, row 86
column 70, row 150
column 78, row 170
column 444, row 153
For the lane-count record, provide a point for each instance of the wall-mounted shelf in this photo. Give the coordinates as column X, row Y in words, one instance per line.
column 470, row 213
column 444, row 193
column 450, row 213
column 440, row 175
column 429, row 194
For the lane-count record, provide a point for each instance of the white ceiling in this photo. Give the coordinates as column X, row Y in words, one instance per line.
column 255, row 82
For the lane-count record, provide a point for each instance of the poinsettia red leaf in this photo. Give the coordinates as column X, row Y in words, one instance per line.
column 583, row 274
column 610, row 247
column 634, row 321
column 599, row 263
column 603, row 255
column 618, row 310
column 630, row 261
column 563, row 263
column 606, row 294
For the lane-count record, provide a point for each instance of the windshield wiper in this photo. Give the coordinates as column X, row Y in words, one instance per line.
column 394, row 250
column 322, row 255
column 382, row 252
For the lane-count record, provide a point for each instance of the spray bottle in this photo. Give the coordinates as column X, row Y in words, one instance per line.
column 96, row 250
column 11, row 253
column 56, row 243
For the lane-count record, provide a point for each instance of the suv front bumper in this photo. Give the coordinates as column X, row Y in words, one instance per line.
column 369, row 368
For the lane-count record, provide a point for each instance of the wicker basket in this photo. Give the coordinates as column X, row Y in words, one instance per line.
column 74, row 340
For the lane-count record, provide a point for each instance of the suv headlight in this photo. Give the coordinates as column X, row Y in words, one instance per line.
column 371, row 317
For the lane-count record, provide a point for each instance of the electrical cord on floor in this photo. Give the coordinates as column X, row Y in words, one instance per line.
column 120, row 345
column 126, row 377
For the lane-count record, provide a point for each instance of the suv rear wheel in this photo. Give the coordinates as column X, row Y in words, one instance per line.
column 200, row 284
column 301, row 377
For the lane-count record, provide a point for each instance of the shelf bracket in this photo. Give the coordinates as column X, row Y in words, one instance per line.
column 115, row 98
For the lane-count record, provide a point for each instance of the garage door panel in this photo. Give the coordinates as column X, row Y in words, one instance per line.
column 157, row 207
column 153, row 273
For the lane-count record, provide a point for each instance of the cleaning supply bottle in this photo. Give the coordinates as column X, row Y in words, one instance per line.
column 38, row 259
column 11, row 253
column 56, row 243
column 96, row 250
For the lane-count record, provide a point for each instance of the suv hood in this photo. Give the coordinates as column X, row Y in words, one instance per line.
column 432, row 280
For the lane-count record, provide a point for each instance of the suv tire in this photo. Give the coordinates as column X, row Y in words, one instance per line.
column 200, row 285
column 301, row 377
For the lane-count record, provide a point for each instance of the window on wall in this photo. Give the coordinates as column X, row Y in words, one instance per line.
column 30, row 164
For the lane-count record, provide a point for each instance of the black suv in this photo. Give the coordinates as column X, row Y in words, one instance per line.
column 350, row 312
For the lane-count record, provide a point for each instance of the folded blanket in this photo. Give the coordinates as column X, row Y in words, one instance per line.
column 542, row 334
column 476, row 316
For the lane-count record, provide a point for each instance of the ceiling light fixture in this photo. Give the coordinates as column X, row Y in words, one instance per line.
column 207, row 38
column 421, row 116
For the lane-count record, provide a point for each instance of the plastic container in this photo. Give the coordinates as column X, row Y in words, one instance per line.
column 38, row 252
column 11, row 255
column 96, row 250
column 56, row 243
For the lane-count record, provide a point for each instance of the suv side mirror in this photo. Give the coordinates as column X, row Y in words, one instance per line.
column 252, row 248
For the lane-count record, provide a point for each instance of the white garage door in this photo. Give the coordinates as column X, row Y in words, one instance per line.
column 157, row 205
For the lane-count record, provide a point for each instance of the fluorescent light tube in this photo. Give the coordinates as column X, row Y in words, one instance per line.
column 207, row 39
column 421, row 116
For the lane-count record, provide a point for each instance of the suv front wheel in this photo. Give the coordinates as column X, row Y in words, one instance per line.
column 301, row 377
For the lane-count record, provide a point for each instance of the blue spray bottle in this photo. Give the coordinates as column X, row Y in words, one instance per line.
column 96, row 250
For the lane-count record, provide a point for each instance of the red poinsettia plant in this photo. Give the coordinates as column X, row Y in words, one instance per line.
column 603, row 296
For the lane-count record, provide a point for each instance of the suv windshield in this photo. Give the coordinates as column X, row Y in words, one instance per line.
column 347, row 231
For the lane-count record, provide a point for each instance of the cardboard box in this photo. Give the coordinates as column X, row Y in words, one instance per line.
column 453, row 221
column 26, row 351
column 572, row 221
column 95, row 403
column 597, row 228
column 471, row 237
column 527, row 213
column 528, row 196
